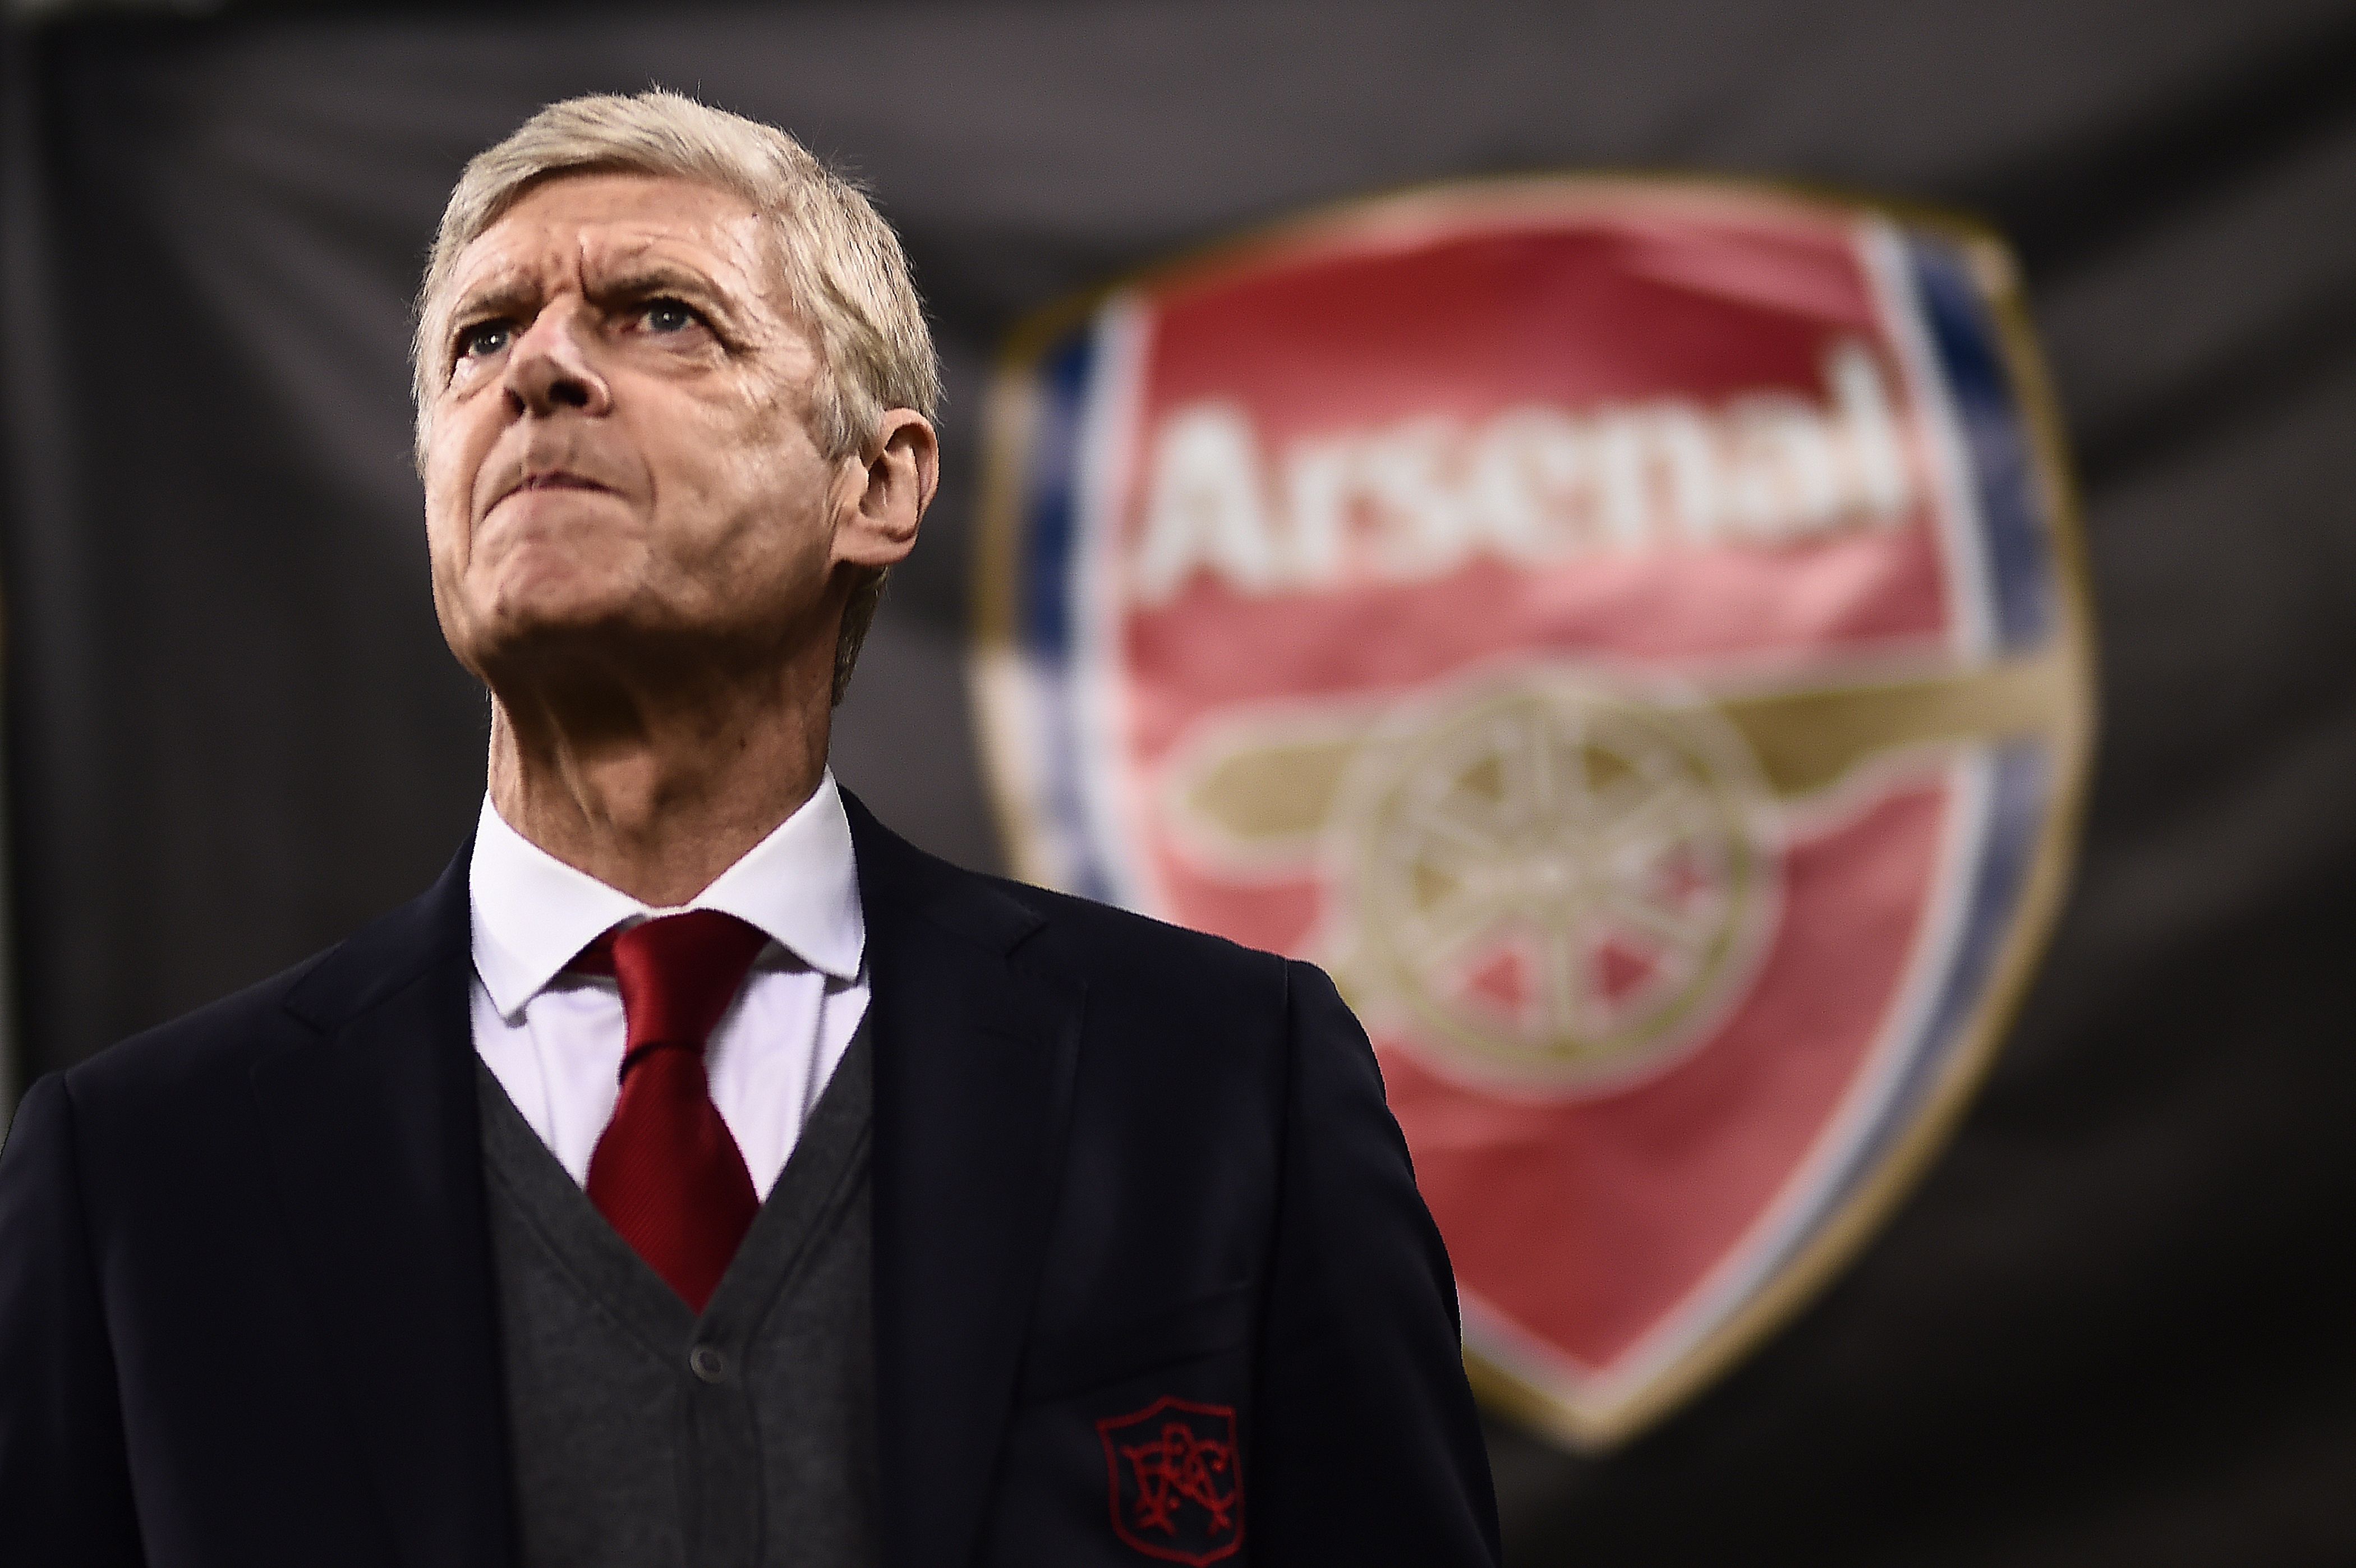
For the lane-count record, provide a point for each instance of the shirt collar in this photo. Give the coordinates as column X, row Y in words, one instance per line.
column 532, row 912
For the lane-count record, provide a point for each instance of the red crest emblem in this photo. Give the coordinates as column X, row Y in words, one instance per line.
column 1630, row 633
column 1177, row 1481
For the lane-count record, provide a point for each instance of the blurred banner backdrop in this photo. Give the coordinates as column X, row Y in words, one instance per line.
column 1629, row 630
column 2108, row 1325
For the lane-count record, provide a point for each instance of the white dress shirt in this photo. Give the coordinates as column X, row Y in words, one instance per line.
column 554, row 1040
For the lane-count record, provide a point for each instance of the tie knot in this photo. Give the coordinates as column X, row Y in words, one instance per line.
column 677, row 975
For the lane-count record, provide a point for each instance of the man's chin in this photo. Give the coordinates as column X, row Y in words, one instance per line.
column 553, row 545
column 542, row 632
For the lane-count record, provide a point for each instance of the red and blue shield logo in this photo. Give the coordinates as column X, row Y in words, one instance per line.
column 1630, row 632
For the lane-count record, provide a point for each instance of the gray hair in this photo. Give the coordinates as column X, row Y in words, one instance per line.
column 845, row 276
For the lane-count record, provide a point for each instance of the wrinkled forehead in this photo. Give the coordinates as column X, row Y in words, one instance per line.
column 596, row 229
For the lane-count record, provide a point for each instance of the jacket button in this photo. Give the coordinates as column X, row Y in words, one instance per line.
column 709, row 1363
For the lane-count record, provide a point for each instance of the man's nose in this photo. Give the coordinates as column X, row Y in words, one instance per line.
column 553, row 366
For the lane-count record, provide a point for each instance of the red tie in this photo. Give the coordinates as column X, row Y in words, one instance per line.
column 666, row 1173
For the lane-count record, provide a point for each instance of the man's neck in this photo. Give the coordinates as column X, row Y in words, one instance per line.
column 656, row 797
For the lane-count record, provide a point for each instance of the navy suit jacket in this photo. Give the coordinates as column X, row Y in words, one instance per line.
column 1148, row 1256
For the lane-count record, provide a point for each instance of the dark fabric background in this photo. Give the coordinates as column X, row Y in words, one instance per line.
column 2110, row 1328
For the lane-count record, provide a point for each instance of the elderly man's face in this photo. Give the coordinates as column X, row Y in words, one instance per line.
column 619, row 459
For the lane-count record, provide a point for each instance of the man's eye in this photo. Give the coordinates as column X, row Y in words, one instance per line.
column 484, row 337
column 668, row 315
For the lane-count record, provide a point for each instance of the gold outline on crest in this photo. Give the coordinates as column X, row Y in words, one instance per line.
column 1841, row 1235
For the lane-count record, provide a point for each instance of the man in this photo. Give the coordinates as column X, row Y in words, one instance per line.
column 698, row 1173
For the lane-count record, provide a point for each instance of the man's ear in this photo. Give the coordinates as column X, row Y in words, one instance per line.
column 899, row 472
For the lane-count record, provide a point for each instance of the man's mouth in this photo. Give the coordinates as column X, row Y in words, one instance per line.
column 555, row 479
column 560, row 481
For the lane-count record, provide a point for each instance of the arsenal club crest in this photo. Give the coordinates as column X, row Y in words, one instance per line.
column 1177, row 1485
column 1630, row 633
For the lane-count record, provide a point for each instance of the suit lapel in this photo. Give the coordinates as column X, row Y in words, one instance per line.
column 371, row 1130
column 974, row 1064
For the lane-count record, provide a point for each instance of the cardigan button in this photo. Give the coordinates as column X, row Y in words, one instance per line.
column 708, row 1362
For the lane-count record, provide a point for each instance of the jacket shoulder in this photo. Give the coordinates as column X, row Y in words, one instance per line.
column 1039, row 926
column 221, row 1036
column 1109, row 934
column 226, row 1037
